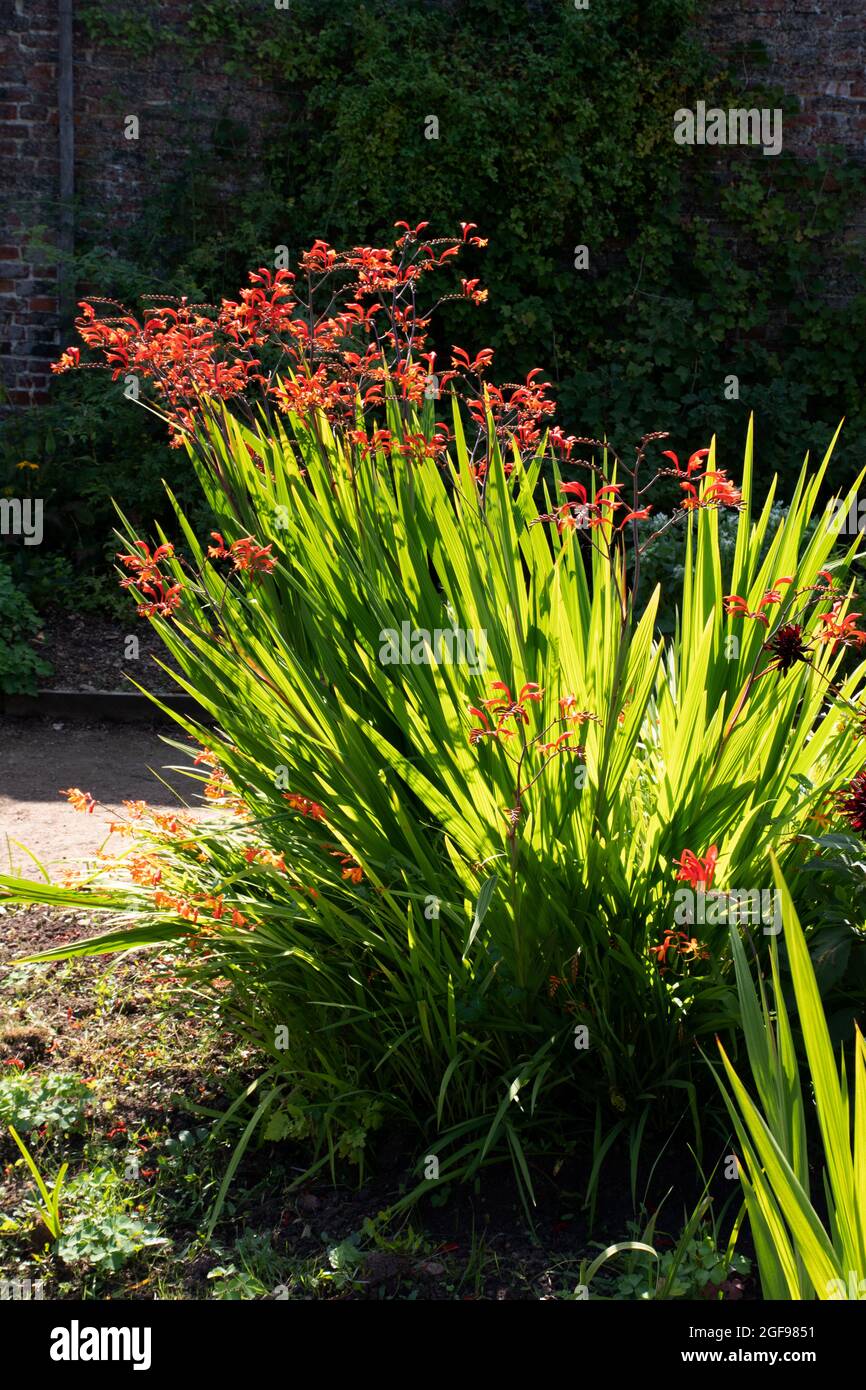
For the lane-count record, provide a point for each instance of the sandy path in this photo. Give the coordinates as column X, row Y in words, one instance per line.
column 111, row 761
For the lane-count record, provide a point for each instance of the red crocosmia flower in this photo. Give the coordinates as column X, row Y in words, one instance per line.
column 67, row 361
column 304, row 805
column 416, row 231
column 506, row 704
column 466, row 228
column 562, row 745
column 574, row 490
column 693, row 464
column 530, row 691
column 578, row 716
column 639, row 515
column 469, row 291
column 696, row 871
column 13, row 1062
column 503, row 706
column 162, row 597
column 475, row 735
column 248, row 555
column 841, row 630
column 722, row 491
column 737, row 607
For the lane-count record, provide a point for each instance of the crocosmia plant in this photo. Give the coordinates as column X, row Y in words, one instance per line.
column 466, row 834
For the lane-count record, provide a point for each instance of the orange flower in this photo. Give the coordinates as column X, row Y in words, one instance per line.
column 245, row 554
column 263, row 855
column 144, row 869
column 78, row 800
column 174, row 822
column 163, row 598
column 685, row 946
column 304, row 805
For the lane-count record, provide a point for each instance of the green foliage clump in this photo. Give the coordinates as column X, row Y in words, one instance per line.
column 20, row 665
column 99, row 1230
column 53, row 1101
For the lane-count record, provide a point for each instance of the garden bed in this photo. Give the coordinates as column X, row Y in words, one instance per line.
column 89, row 653
column 91, row 677
column 121, row 1027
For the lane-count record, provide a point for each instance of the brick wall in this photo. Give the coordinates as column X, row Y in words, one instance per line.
column 176, row 102
column 816, row 50
column 29, row 175
column 817, row 53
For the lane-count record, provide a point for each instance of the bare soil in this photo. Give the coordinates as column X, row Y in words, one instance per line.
column 94, row 653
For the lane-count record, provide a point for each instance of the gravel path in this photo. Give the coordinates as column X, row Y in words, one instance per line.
column 111, row 761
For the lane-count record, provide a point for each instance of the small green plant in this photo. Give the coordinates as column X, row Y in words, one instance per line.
column 20, row 664
column 52, row 1102
column 106, row 1240
column 695, row 1268
column 102, row 1232
column 50, row 1209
